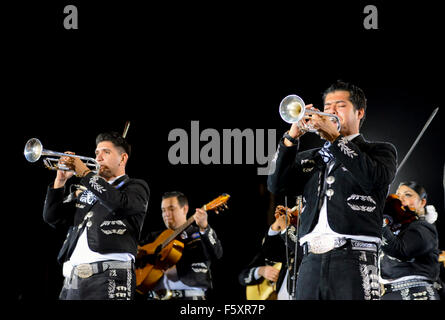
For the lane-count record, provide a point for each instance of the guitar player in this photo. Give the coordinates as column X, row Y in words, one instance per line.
column 190, row 278
column 269, row 265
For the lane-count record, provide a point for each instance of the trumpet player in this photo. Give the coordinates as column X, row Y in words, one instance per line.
column 104, row 218
column 344, row 186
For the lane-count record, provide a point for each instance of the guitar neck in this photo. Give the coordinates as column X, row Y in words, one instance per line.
column 178, row 231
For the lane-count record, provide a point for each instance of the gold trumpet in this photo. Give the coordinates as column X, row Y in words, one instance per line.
column 293, row 109
column 34, row 150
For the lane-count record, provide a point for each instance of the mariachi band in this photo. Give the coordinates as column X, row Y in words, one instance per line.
column 344, row 237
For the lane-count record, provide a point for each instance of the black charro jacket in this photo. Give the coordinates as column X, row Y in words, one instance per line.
column 412, row 251
column 359, row 179
column 112, row 214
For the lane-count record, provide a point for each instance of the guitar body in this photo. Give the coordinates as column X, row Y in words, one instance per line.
column 149, row 275
column 266, row 290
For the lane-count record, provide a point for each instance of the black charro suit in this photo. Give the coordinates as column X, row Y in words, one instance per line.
column 355, row 191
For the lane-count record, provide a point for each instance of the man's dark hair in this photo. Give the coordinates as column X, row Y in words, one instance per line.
column 356, row 95
column 182, row 199
column 117, row 140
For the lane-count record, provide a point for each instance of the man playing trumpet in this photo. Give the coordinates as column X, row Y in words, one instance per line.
column 104, row 219
column 344, row 187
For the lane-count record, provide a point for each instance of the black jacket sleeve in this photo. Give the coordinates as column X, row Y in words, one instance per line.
column 284, row 171
column 212, row 243
column 273, row 249
column 58, row 210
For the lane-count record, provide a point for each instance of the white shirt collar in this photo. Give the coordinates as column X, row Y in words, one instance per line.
column 112, row 180
column 352, row 136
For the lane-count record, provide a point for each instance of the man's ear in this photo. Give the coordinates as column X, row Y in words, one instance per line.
column 186, row 208
column 124, row 158
column 361, row 113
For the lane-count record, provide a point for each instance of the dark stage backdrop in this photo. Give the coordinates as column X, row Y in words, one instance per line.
column 226, row 67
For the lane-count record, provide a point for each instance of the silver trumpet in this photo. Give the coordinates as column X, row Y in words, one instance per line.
column 293, row 109
column 34, row 150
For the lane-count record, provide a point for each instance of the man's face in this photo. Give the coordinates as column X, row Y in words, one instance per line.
column 173, row 215
column 110, row 159
column 338, row 103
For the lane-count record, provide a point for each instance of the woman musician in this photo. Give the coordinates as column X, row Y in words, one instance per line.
column 409, row 266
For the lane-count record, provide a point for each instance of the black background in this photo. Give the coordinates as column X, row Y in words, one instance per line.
column 228, row 66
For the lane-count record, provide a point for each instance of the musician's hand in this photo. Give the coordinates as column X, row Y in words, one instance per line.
column 80, row 167
column 326, row 128
column 269, row 273
column 201, row 219
column 77, row 165
column 62, row 175
column 280, row 218
column 297, row 129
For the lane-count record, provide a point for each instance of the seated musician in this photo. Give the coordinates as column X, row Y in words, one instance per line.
column 190, row 278
column 409, row 261
column 263, row 266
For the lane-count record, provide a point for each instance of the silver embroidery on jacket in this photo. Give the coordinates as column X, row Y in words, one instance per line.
column 249, row 277
column 211, row 237
column 359, row 197
column 117, row 223
column 87, row 197
column 95, row 185
column 200, row 267
column 308, row 165
column 367, row 206
column 361, row 208
column 342, row 143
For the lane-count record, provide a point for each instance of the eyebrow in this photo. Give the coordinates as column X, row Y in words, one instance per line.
column 336, row 101
column 98, row 149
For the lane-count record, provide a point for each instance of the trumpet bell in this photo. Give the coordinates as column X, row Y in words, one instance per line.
column 292, row 108
column 33, row 150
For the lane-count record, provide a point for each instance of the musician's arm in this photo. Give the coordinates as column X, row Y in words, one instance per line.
column 212, row 243
column 57, row 210
column 250, row 275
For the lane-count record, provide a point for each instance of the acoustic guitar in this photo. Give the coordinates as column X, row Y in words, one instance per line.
column 266, row 290
column 154, row 258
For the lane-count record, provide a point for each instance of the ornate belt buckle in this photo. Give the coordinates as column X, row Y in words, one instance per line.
column 321, row 244
column 84, row 270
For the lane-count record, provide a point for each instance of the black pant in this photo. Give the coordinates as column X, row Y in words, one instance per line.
column 112, row 284
column 340, row 274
